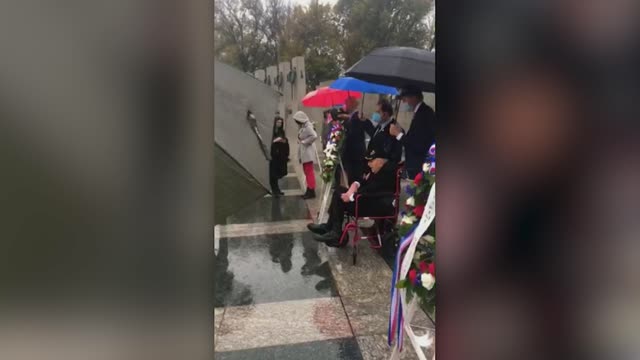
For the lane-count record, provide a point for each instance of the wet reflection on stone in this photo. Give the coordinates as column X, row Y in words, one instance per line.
column 315, row 266
column 342, row 349
column 270, row 209
column 289, row 183
column 270, row 268
column 281, row 252
column 226, row 288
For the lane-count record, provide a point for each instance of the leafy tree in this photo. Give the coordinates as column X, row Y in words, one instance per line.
column 254, row 34
column 239, row 31
column 312, row 32
column 277, row 13
column 368, row 24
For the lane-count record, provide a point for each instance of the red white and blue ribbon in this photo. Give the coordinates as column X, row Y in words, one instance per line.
column 396, row 318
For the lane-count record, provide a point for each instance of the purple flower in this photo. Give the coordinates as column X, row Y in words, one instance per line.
column 417, row 282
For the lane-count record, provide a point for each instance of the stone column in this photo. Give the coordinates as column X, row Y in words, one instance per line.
column 260, row 75
column 300, row 85
column 271, row 73
column 285, row 89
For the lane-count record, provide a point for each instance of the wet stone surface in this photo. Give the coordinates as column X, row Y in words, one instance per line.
column 270, row 268
column 269, row 209
column 289, row 183
column 340, row 349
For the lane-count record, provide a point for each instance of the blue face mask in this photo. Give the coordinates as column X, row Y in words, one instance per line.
column 375, row 117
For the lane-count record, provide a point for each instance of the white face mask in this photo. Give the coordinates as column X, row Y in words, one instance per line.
column 406, row 107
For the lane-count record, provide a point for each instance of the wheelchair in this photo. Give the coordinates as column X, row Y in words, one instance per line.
column 382, row 224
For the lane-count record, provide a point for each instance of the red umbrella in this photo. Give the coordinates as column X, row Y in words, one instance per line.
column 326, row 97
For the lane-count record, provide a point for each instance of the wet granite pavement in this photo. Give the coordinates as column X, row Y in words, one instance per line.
column 278, row 294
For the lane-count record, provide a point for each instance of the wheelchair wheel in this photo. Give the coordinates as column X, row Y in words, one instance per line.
column 345, row 239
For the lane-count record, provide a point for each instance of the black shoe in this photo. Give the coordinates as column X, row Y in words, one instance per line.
column 336, row 244
column 331, row 236
column 306, row 193
column 319, row 229
column 310, row 194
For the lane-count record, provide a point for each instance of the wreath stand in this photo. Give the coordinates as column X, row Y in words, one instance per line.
column 326, row 194
column 409, row 310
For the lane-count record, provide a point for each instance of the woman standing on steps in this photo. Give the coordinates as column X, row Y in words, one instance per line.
column 279, row 156
column 307, row 151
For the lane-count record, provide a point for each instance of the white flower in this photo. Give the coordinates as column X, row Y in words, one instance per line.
column 411, row 201
column 408, row 219
column 328, row 163
column 425, row 167
column 428, row 281
column 430, row 239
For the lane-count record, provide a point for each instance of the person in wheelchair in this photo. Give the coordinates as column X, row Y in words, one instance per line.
column 377, row 194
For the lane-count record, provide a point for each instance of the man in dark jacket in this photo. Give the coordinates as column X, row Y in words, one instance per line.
column 421, row 134
column 380, row 136
column 353, row 148
column 379, row 179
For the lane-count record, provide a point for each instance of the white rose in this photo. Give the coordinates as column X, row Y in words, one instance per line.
column 425, row 168
column 428, row 281
column 407, row 220
column 411, row 201
column 429, row 238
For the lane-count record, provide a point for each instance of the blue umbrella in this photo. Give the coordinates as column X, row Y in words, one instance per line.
column 353, row 84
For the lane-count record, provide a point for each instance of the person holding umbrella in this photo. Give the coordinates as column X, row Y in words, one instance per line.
column 422, row 131
column 354, row 148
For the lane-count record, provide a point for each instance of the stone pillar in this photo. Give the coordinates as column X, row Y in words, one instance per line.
column 260, row 75
column 300, row 84
column 272, row 72
column 285, row 88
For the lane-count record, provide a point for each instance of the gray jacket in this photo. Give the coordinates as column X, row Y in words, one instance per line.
column 306, row 137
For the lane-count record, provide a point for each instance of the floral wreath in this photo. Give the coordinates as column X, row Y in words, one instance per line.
column 421, row 279
column 331, row 151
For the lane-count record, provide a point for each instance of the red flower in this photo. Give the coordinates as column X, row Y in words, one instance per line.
column 412, row 275
column 418, row 179
column 432, row 269
column 418, row 210
column 423, row 267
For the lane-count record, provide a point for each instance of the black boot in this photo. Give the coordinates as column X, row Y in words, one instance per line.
column 330, row 236
column 319, row 229
column 310, row 194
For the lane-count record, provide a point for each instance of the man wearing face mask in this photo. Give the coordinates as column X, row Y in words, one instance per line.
column 422, row 131
column 380, row 136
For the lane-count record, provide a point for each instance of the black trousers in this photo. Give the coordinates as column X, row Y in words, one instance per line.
column 273, row 178
column 366, row 207
column 354, row 169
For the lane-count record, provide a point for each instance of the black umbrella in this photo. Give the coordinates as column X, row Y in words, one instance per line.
column 397, row 66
